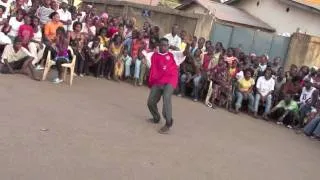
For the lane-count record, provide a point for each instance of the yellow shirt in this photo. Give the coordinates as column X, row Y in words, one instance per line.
column 245, row 85
column 182, row 46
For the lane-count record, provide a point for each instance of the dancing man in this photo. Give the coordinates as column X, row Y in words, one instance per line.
column 163, row 79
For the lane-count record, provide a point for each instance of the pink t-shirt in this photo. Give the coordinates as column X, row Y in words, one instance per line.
column 164, row 70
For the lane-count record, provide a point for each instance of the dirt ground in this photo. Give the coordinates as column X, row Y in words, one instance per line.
column 97, row 130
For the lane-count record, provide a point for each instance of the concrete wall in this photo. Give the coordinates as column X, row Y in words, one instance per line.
column 199, row 25
column 304, row 50
column 274, row 13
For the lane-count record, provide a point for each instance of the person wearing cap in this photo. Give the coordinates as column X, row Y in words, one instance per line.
column 65, row 15
column 308, row 99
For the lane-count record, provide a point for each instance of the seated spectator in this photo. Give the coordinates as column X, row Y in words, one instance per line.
column 6, row 4
column 265, row 87
column 189, row 72
column 15, row 23
column 62, row 54
column 308, row 100
column 36, row 46
column 285, row 112
column 245, row 91
column 25, row 31
column 93, row 56
column 154, row 37
column 280, row 80
column 173, row 38
column 44, row 12
column 293, row 72
column 17, row 59
column 313, row 128
column 54, row 5
column 221, row 85
column 292, row 87
column 51, row 27
column 4, row 39
column 263, row 64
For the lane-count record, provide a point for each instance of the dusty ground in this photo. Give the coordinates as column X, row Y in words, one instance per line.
column 97, row 130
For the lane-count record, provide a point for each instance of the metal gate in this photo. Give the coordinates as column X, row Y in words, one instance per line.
column 251, row 41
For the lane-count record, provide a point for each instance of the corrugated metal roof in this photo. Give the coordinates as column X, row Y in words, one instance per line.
column 229, row 13
column 145, row 2
column 310, row 3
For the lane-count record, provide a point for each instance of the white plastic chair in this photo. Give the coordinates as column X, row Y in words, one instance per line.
column 66, row 66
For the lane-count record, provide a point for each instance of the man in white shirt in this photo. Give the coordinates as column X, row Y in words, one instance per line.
column 65, row 15
column 44, row 12
column 173, row 38
column 265, row 86
column 17, row 59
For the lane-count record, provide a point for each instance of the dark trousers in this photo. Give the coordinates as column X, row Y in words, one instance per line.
column 166, row 92
column 289, row 119
column 80, row 62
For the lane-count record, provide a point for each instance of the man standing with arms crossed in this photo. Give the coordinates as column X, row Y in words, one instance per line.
column 163, row 79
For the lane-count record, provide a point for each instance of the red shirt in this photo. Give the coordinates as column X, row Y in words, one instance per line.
column 112, row 31
column 206, row 62
column 136, row 45
column 163, row 70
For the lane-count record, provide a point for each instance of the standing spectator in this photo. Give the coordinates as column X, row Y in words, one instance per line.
column 173, row 38
column 230, row 58
column 15, row 23
column 44, row 12
column 65, row 15
column 116, row 48
column 32, row 11
column 245, row 91
column 265, row 87
column 77, row 40
column 275, row 66
column 54, row 5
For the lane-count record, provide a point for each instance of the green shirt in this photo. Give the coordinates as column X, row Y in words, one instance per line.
column 292, row 106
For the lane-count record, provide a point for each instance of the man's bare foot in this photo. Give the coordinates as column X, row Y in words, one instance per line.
column 255, row 115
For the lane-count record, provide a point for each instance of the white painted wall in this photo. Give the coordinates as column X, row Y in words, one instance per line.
column 274, row 13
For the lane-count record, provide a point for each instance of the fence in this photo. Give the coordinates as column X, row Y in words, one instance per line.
column 251, row 41
column 160, row 16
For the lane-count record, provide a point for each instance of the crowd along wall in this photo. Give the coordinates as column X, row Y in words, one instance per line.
column 303, row 50
column 195, row 24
